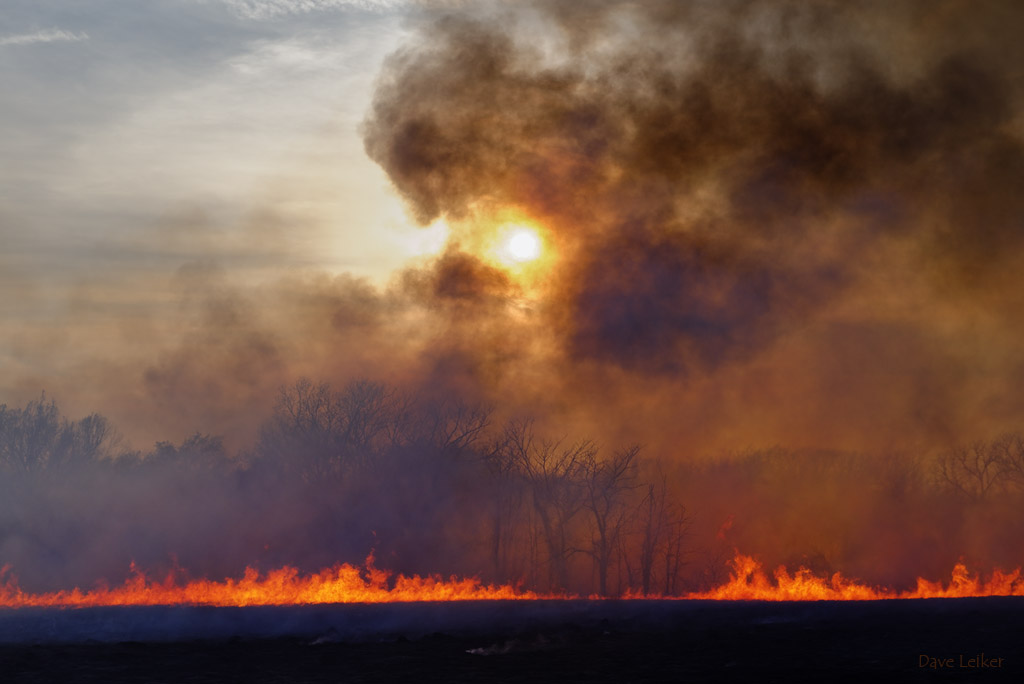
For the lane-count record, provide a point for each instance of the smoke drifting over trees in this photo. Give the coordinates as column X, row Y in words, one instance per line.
column 765, row 223
column 437, row 486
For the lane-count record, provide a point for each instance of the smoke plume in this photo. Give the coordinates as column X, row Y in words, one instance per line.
column 812, row 208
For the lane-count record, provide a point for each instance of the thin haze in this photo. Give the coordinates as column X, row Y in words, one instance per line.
column 143, row 142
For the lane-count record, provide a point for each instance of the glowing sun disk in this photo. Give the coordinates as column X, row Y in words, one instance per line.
column 522, row 244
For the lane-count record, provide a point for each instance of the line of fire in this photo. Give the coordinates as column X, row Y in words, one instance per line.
column 459, row 507
column 728, row 309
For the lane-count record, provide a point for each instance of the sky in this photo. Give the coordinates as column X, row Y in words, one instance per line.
column 763, row 222
column 140, row 139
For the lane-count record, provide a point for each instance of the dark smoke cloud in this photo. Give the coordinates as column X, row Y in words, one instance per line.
column 459, row 278
column 772, row 222
column 719, row 177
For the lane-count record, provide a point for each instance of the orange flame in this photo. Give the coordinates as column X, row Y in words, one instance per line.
column 750, row 583
column 349, row 584
column 340, row 584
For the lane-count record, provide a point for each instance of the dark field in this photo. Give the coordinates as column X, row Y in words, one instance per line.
column 576, row 641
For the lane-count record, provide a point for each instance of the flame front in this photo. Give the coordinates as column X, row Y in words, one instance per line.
column 341, row 584
column 350, row 584
column 749, row 582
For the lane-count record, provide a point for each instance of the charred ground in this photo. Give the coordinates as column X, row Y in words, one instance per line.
column 584, row 642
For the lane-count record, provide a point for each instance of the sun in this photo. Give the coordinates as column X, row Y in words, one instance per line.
column 521, row 245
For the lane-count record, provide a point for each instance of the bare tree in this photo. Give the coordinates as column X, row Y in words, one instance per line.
column 29, row 435
column 1009, row 450
column 506, row 502
column 454, row 425
column 974, row 471
column 198, row 452
column 365, row 411
column 554, row 473
column 85, row 441
column 304, row 431
column 662, row 528
column 38, row 438
column 607, row 485
column 321, row 433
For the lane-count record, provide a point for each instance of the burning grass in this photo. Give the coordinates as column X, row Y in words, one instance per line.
column 341, row 584
column 350, row 584
column 749, row 582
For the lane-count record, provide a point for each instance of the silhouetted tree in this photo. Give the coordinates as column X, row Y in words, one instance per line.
column 607, row 484
column 320, row 433
column 973, row 471
column 37, row 438
column 200, row 452
column 662, row 523
column 453, row 425
column 554, row 473
column 1009, row 450
column 507, row 493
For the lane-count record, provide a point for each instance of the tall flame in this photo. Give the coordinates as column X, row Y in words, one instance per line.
column 349, row 584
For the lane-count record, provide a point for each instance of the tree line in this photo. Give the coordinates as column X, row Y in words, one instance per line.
column 436, row 483
column 554, row 509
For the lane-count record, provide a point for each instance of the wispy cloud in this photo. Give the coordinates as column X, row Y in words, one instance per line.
column 44, row 36
column 266, row 9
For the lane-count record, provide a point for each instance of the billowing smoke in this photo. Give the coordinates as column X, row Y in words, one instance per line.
column 765, row 223
column 771, row 197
